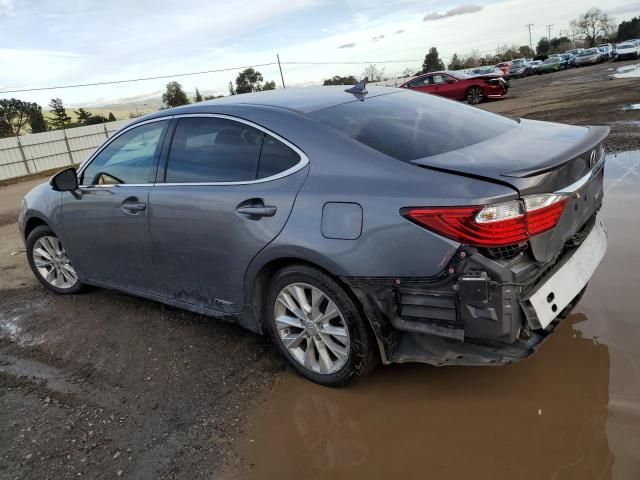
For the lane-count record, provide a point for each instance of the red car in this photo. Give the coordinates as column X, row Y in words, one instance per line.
column 460, row 86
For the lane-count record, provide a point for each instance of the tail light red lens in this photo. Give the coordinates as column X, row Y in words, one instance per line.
column 494, row 225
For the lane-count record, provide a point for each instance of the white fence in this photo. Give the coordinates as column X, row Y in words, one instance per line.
column 36, row 152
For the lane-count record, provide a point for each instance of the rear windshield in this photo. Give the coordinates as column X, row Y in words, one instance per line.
column 412, row 125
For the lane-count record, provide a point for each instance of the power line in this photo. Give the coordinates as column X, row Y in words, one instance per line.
column 141, row 79
column 160, row 77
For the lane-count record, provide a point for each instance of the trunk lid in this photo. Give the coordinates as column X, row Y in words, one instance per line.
column 539, row 157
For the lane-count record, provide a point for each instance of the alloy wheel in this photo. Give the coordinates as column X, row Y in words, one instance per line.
column 52, row 262
column 474, row 96
column 312, row 328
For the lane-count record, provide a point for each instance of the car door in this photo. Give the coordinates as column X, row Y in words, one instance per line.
column 422, row 84
column 449, row 87
column 106, row 230
column 227, row 190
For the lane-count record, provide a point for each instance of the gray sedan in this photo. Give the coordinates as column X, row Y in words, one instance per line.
column 591, row 56
column 350, row 226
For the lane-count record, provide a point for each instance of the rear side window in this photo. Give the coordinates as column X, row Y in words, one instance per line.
column 411, row 125
column 276, row 157
column 213, row 150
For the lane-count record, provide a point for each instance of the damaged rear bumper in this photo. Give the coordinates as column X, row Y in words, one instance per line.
column 481, row 313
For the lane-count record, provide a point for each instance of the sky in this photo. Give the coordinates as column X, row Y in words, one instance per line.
column 51, row 42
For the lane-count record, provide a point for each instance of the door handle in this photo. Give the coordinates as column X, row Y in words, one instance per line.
column 134, row 207
column 258, row 210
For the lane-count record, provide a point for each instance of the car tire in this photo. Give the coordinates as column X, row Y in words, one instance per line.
column 49, row 262
column 474, row 95
column 350, row 350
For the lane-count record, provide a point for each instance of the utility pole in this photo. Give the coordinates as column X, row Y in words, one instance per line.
column 549, row 28
column 280, row 67
column 529, row 25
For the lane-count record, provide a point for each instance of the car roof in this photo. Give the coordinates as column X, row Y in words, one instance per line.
column 299, row 99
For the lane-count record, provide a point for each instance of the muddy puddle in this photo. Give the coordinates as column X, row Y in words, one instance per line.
column 570, row 412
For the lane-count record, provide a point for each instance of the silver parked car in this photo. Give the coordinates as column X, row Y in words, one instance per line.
column 351, row 226
column 590, row 56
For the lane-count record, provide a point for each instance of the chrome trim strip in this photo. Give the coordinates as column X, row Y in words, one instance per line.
column 574, row 187
column 304, row 160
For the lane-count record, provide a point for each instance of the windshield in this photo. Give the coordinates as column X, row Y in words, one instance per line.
column 551, row 60
column 517, row 64
column 410, row 125
column 626, row 45
column 591, row 51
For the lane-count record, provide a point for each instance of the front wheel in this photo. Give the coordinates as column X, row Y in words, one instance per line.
column 474, row 95
column 49, row 262
column 318, row 327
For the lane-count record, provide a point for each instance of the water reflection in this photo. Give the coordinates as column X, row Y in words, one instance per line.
column 571, row 411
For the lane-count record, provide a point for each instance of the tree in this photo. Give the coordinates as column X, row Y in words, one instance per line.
column 14, row 114
column 60, row 117
column 338, row 80
column 247, row 81
column 593, row 24
column 269, row 86
column 432, row 61
column 96, row 119
column 526, row 52
column 198, row 97
column 543, row 46
column 456, row 63
column 5, row 129
column 37, row 121
column 629, row 29
column 373, row 74
column 83, row 116
column 174, row 96
column 232, row 91
column 112, row 117
column 213, row 97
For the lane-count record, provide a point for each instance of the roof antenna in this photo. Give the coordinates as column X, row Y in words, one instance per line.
column 359, row 89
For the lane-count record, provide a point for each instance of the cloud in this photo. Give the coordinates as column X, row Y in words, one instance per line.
column 379, row 37
column 347, row 45
column 629, row 8
column 399, row 31
column 464, row 9
column 6, row 6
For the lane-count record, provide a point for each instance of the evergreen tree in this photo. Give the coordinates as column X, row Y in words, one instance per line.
column 37, row 121
column 432, row 61
column 198, row 97
column 83, row 116
column 60, row 117
column 112, row 117
column 456, row 63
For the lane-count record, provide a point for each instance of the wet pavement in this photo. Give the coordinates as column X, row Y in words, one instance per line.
column 572, row 411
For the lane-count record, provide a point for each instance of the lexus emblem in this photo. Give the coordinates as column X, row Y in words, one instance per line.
column 592, row 158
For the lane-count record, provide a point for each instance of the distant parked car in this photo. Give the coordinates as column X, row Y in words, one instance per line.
column 590, row 56
column 551, row 64
column 567, row 60
column 626, row 50
column 534, row 65
column 519, row 68
column 504, row 66
column 607, row 50
column 488, row 70
column 460, row 86
column 574, row 51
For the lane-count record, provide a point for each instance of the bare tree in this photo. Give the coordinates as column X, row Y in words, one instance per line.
column 593, row 24
column 373, row 74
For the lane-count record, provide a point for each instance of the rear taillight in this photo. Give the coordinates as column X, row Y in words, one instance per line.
column 494, row 225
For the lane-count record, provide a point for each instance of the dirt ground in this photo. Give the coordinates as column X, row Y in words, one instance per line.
column 103, row 385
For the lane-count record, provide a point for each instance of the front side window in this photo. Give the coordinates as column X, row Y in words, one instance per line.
column 129, row 159
column 419, row 82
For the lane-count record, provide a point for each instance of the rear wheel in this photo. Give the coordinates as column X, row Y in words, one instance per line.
column 49, row 262
column 474, row 95
column 318, row 327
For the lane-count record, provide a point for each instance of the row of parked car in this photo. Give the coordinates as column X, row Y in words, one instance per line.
column 577, row 57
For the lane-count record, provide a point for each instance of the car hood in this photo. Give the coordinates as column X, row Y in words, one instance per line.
column 531, row 157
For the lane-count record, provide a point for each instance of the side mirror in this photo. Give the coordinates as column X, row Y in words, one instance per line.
column 450, row 81
column 65, row 181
